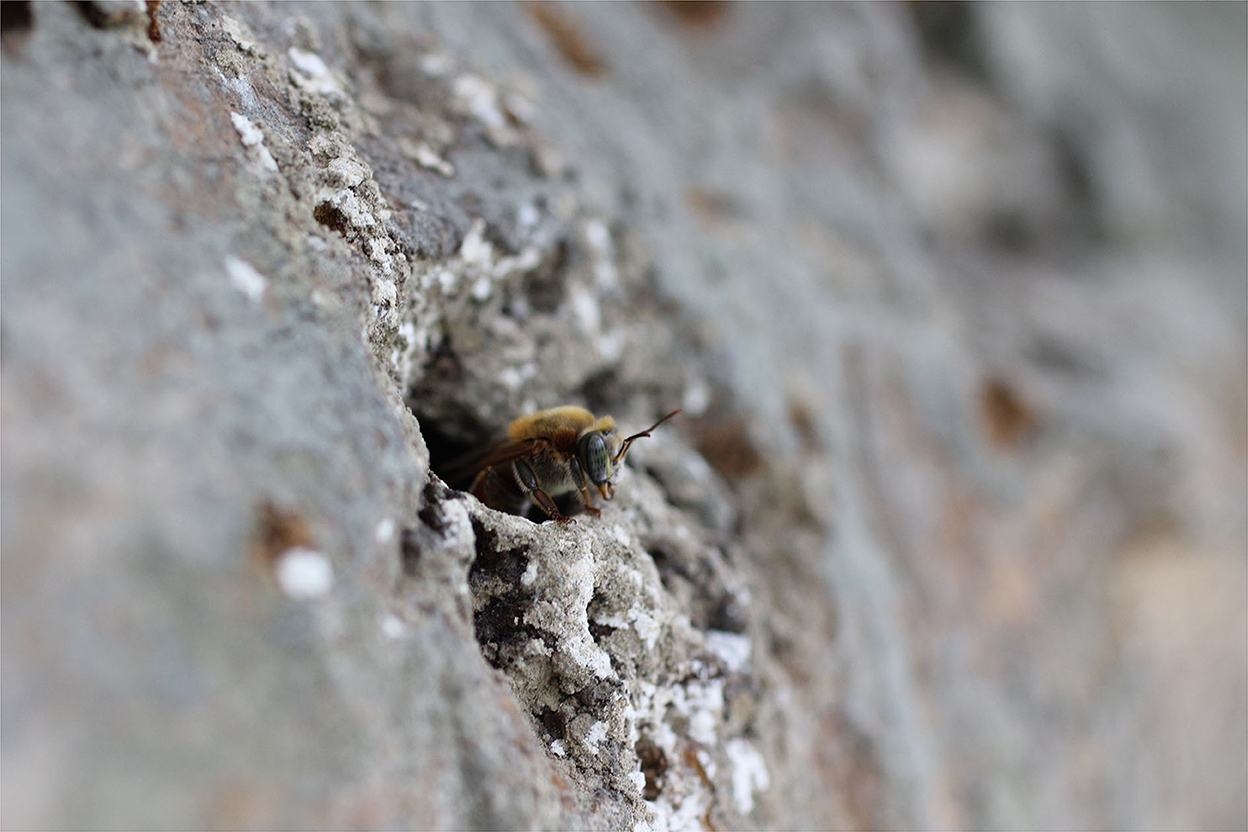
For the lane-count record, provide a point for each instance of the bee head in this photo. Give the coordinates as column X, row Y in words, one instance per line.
column 595, row 456
column 600, row 453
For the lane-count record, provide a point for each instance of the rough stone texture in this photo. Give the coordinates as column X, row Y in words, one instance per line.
column 952, row 530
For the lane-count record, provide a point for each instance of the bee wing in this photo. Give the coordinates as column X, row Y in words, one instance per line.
column 459, row 473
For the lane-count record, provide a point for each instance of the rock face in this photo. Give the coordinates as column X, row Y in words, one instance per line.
column 950, row 532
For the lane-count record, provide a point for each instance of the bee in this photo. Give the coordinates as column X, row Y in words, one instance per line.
column 548, row 454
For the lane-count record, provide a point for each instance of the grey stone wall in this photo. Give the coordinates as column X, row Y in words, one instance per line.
column 950, row 533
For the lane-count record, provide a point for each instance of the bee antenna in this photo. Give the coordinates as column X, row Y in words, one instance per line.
column 629, row 441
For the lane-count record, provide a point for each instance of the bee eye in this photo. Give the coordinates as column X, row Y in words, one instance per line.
column 595, row 459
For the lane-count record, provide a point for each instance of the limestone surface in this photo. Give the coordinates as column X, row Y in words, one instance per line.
column 950, row 532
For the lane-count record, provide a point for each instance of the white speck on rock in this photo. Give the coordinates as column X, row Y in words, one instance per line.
column 378, row 254
column 478, row 97
column 309, row 63
column 425, row 156
column 436, row 64
column 245, row 278
column 647, row 627
column 349, row 204
column 243, row 89
column 513, row 378
column 620, row 535
column 749, row 773
column 530, row 573
column 313, row 75
column 385, row 531
column 253, row 139
column 250, row 134
column 703, row 704
column 596, row 734
column 304, row 574
column 697, row 399
column 238, row 33
column 582, row 650
column 585, row 307
column 610, row 345
column 732, row 649
column 345, row 172
column 599, row 236
column 523, row 262
column 393, row 627
column 475, row 250
column 557, row 748
column 708, row 764
column 618, row 622
column 458, row 531
column 482, row 289
column 527, row 216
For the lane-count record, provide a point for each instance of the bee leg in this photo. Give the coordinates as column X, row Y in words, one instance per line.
column 548, row 505
column 480, row 487
column 524, row 476
column 493, row 490
column 578, row 478
column 588, row 499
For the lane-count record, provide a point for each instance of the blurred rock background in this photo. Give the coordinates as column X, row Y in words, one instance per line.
column 951, row 532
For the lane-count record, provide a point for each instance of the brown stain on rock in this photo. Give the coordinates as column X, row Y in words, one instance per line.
column 277, row 531
column 728, row 448
column 1009, row 419
column 568, row 37
column 697, row 14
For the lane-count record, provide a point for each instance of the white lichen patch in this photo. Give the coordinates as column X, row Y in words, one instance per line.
column 681, row 813
column 304, row 574
column 311, row 73
column 602, row 250
column 242, row 88
column 479, row 263
column 475, row 96
column 530, row 574
column 475, row 250
column 513, row 378
column 249, row 133
column 240, row 34
column 253, row 140
column 702, row 703
column 425, row 156
column 582, row 649
column 358, row 215
column 616, row 621
column 246, row 278
column 585, row 309
column 620, row 535
column 384, row 293
column 730, row 648
column 749, row 773
column 346, row 172
column 647, row 627
column 596, row 734
column 457, row 525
